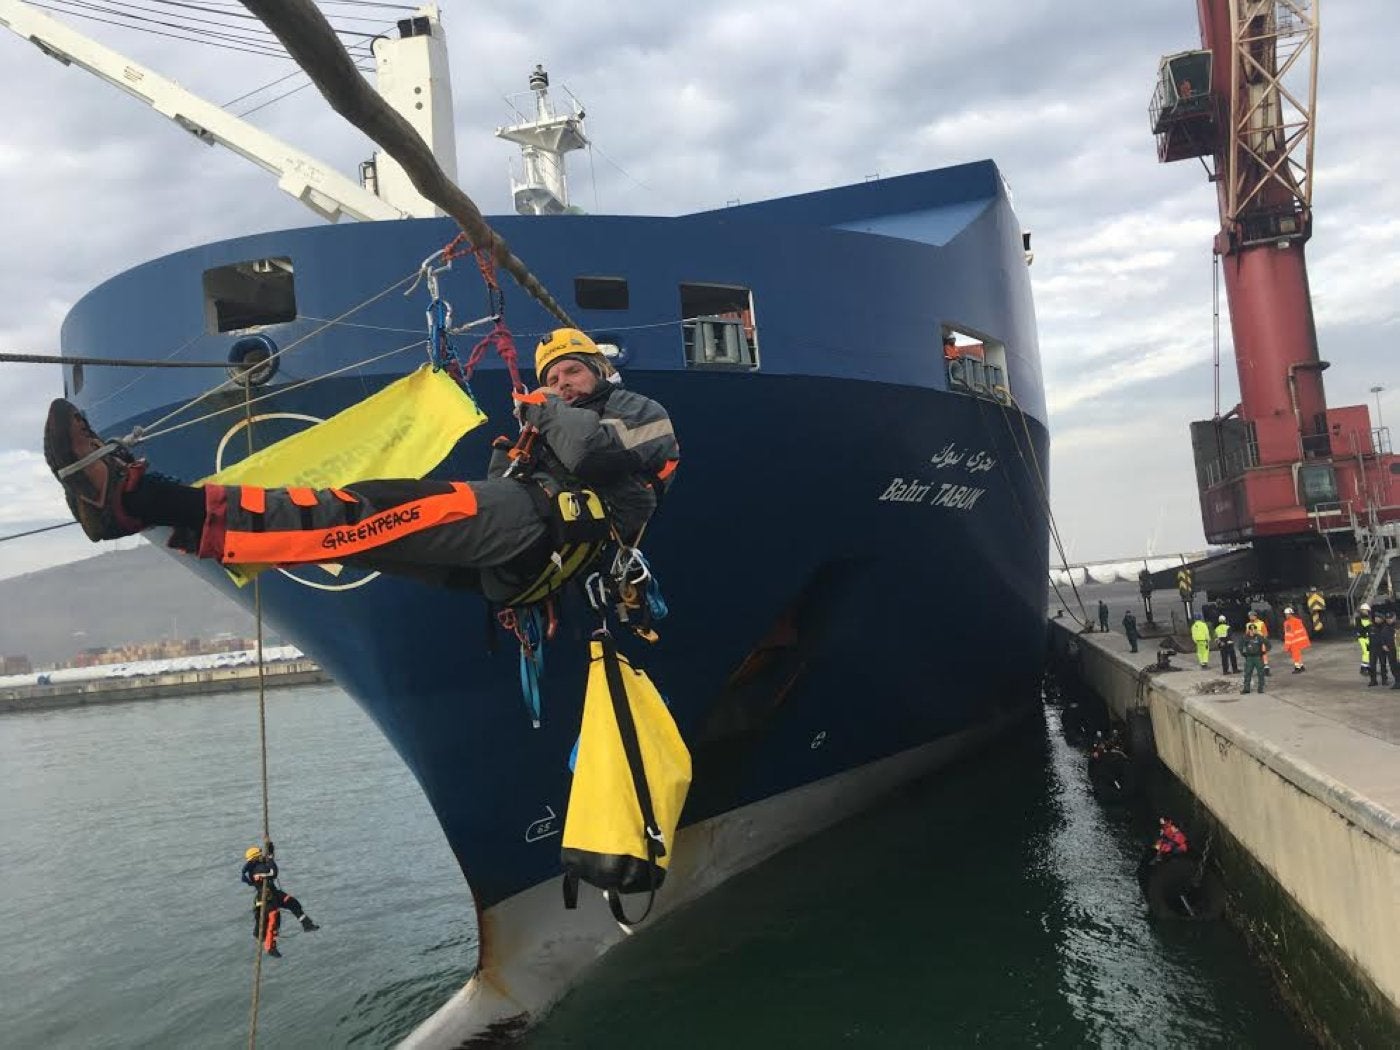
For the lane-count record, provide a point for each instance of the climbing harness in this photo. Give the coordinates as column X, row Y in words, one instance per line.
column 576, row 519
column 630, row 591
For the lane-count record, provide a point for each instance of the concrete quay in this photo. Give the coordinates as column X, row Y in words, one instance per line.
column 1305, row 777
column 200, row 682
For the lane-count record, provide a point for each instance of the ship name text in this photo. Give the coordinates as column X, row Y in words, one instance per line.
column 954, row 497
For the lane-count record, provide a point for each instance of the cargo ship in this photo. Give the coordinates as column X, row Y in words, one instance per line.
column 854, row 551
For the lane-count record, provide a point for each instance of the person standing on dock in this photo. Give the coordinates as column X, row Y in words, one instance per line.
column 1383, row 649
column 1263, row 629
column 1103, row 616
column 1130, row 629
column 1253, row 648
column 1363, row 636
column 260, row 872
column 1228, row 663
column 1295, row 639
column 1200, row 634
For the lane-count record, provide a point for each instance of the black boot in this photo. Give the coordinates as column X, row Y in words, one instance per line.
column 307, row 924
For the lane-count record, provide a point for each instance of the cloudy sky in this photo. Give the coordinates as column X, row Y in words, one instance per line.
column 751, row 99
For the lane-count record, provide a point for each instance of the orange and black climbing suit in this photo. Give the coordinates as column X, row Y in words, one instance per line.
column 290, row 526
column 266, row 926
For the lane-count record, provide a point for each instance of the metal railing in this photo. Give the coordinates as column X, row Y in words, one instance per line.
column 1233, row 464
column 719, row 342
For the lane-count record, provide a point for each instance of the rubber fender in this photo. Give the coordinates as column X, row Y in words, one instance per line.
column 1140, row 739
column 1175, row 890
column 1113, row 775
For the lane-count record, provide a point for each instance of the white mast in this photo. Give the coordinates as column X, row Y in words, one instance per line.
column 544, row 189
column 413, row 76
column 416, row 68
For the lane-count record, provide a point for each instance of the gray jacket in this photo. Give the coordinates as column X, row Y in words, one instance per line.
column 617, row 442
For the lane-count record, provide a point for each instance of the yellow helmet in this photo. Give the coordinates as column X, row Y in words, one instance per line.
column 252, row 853
column 563, row 342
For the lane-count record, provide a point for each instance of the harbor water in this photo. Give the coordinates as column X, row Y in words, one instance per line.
column 992, row 905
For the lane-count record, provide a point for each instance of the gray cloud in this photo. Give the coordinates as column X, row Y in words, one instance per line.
column 763, row 99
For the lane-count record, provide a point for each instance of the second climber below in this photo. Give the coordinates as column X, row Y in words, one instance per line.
column 260, row 872
column 603, row 457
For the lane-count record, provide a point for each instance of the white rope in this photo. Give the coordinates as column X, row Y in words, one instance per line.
column 142, row 434
column 150, row 429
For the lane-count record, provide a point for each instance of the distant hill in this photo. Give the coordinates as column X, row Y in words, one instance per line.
column 138, row 595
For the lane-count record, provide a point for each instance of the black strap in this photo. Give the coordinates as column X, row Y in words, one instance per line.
column 570, row 891
column 614, row 898
column 631, row 746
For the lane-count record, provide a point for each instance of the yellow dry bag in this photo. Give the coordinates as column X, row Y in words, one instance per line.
column 630, row 778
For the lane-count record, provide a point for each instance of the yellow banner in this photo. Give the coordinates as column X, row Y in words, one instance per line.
column 403, row 431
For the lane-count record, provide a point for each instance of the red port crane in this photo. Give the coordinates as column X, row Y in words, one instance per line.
column 1313, row 491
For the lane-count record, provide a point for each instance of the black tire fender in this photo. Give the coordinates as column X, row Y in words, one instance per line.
column 1178, row 887
column 1113, row 774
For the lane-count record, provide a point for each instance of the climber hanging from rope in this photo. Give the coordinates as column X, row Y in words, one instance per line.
column 592, row 462
column 260, row 872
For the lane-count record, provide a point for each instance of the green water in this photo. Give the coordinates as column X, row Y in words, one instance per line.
column 993, row 906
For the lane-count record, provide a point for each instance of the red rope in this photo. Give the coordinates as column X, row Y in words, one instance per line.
column 504, row 342
column 499, row 336
column 457, row 248
column 487, row 266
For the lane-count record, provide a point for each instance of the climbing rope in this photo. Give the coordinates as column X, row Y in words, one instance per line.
column 262, row 754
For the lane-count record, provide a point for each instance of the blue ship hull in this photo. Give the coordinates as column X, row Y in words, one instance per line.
column 871, row 616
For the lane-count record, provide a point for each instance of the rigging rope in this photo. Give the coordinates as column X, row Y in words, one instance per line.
column 137, row 17
column 262, row 751
column 35, row 532
column 1045, row 501
column 151, row 430
column 309, row 39
column 147, row 435
column 114, row 362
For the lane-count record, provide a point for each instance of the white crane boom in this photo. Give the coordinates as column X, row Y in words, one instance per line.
column 322, row 189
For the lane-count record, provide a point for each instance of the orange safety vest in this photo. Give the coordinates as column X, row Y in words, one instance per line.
column 1295, row 635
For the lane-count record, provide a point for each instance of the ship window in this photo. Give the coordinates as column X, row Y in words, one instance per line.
column 249, row 294
column 717, row 326
column 976, row 365
column 600, row 293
